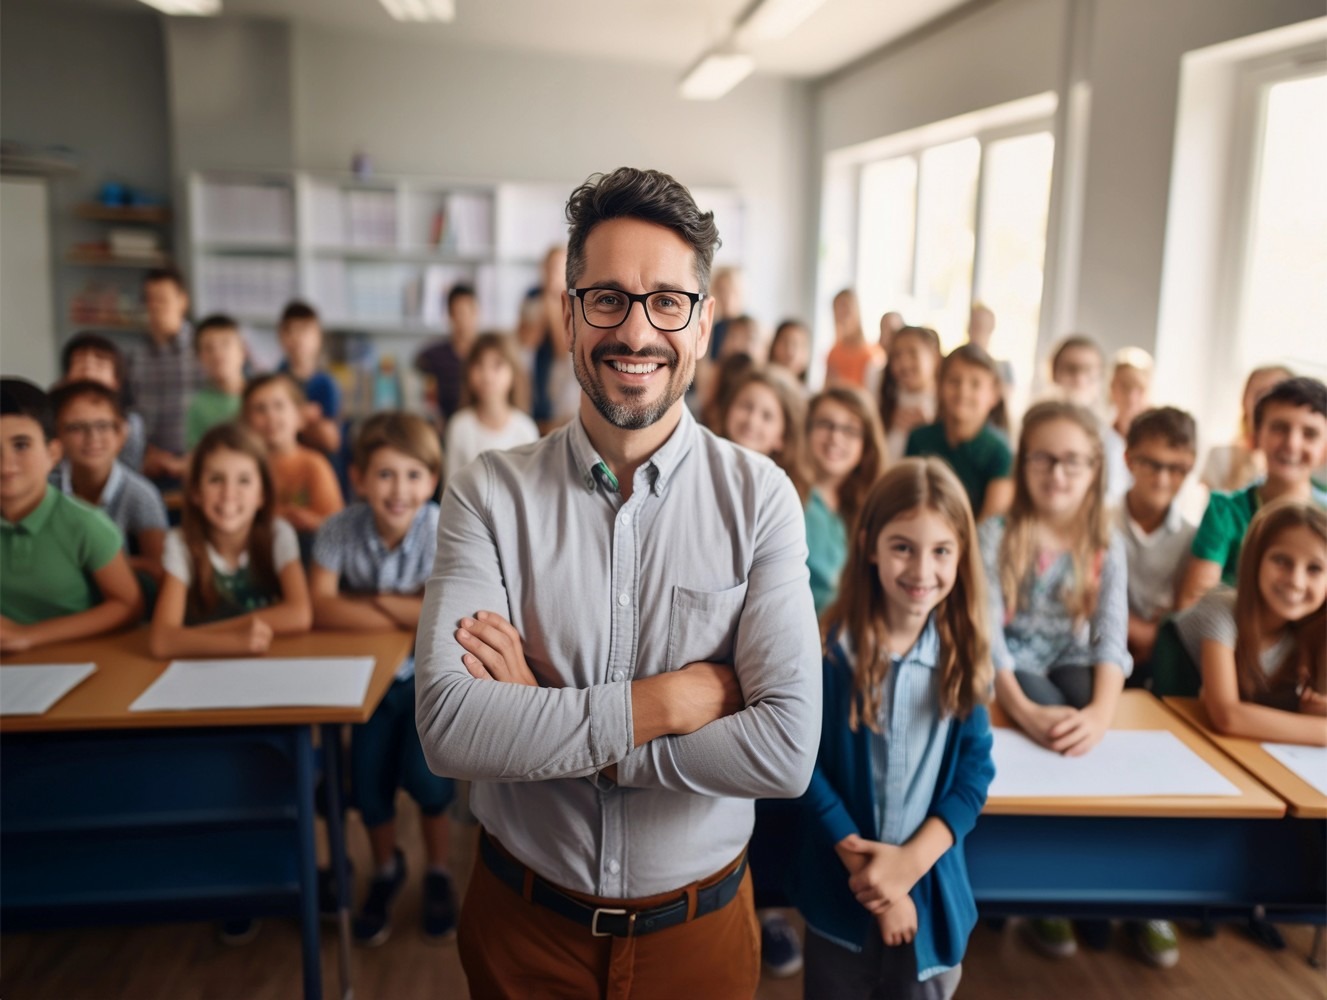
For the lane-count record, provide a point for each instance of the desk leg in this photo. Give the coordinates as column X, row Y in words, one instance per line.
column 308, row 866
column 336, row 841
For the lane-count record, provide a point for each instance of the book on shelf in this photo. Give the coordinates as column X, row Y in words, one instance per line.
column 246, row 213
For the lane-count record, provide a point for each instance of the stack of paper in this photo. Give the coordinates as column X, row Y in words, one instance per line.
column 1309, row 763
column 33, row 690
column 188, row 685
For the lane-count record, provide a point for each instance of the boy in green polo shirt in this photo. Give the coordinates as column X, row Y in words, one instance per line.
column 221, row 356
column 63, row 573
column 1290, row 429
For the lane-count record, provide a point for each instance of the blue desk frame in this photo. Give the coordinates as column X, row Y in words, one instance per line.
column 1145, row 867
column 208, row 823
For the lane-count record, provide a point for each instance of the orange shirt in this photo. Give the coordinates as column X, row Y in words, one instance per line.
column 304, row 481
column 847, row 364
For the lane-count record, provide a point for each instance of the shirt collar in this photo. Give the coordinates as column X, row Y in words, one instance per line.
column 1172, row 523
column 659, row 468
column 177, row 344
column 409, row 541
column 925, row 652
column 114, row 482
column 35, row 521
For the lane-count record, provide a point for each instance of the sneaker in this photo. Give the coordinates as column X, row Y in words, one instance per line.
column 780, row 950
column 1052, row 936
column 239, row 931
column 374, row 923
column 1157, row 942
column 439, row 909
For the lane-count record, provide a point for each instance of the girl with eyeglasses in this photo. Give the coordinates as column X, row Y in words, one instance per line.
column 1059, row 598
column 846, row 448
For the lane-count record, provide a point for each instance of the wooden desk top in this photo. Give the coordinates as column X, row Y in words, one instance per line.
column 1141, row 710
column 125, row 669
column 1303, row 799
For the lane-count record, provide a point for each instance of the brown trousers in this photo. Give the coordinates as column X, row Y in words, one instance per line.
column 515, row 949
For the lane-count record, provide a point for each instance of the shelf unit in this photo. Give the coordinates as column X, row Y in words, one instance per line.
column 103, row 287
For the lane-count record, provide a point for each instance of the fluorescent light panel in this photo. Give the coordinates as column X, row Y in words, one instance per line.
column 771, row 20
column 421, row 10
column 715, row 75
column 187, row 8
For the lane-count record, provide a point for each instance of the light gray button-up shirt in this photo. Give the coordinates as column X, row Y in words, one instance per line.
column 706, row 561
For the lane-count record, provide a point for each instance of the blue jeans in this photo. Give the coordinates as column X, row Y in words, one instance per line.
column 385, row 754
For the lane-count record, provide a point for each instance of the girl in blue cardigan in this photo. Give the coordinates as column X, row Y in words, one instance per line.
column 905, row 749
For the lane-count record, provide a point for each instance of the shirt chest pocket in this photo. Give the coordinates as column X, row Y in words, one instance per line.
column 702, row 625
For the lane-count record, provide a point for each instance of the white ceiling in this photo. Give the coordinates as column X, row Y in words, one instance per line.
column 665, row 32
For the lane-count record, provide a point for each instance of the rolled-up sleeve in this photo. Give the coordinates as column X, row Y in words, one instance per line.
column 483, row 730
column 767, row 750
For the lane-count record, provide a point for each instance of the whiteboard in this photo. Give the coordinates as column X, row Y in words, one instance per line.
column 27, row 323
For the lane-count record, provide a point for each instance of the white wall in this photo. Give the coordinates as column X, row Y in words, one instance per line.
column 421, row 108
column 27, row 330
column 1011, row 49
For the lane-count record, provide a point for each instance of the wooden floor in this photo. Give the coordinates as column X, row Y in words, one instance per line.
column 186, row 962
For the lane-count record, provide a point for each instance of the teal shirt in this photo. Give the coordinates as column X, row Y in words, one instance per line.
column 977, row 462
column 1221, row 533
column 48, row 558
column 826, row 550
column 209, row 407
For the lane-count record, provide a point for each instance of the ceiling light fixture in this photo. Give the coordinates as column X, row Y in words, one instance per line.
column 421, row 10
column 186, row 8
column 716, row 73
column 770, row 20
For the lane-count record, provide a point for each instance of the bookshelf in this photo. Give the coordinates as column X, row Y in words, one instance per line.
column 103, row 275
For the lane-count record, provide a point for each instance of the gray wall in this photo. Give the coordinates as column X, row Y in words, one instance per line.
column 90, row 79
column 1000, row 51
column 422, row 108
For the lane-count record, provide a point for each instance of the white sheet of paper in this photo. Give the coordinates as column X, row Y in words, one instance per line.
column 33, row 690
column 263, row 683
column 1310, row 763
column 1126, row 762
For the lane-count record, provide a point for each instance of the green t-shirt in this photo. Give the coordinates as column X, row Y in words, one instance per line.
column 209, row 407
column 1221, row 532
column 48, row 558
column 977, row 462
column 826, row 550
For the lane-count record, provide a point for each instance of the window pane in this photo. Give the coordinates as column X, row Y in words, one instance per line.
column 1015, row 201
column 945, row 238
column 1285, row 289
column 885, row 236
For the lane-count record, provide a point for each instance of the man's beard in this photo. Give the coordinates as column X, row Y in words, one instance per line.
column 629, row 416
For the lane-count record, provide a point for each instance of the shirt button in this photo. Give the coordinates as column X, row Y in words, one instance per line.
column 623, row 600
column 625, row 519
column 617, row 675
column 614, row 867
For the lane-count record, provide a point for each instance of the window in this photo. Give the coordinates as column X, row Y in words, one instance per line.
column 1283, row 293
column 951, row 223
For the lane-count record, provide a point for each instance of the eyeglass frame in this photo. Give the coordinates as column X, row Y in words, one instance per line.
column 632, row 298
column 1155, row 468
column 1051, row 462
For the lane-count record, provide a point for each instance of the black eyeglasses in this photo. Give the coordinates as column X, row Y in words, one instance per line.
column 605, row 308
column 1074, row 463
column 1178, row 470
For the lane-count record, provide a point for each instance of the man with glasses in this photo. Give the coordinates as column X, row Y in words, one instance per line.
column 618, row 644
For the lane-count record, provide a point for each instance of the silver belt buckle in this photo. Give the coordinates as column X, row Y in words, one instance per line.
column 594, row 921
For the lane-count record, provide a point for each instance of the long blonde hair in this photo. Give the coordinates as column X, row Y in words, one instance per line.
column 1307, row 663
column 1018, row 547
column 961, row 618
column 790, row 455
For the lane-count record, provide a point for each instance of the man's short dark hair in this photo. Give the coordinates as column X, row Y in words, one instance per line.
column 1169, row 423
column 1299, row 391
column 63, row 395
column 20, row 398
column 460, row 290
column 297, row 311
column 165, row 274
column 628, row 193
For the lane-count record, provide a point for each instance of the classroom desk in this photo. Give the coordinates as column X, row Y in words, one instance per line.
column 108, row 815
column 1164, row 856
column 1304, row 801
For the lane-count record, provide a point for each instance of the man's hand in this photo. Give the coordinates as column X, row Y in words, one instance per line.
column 703, row 693
column 885, row 878
column 494, row 650
column 1078, row 733
column 14, row 637
column 898, row 924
